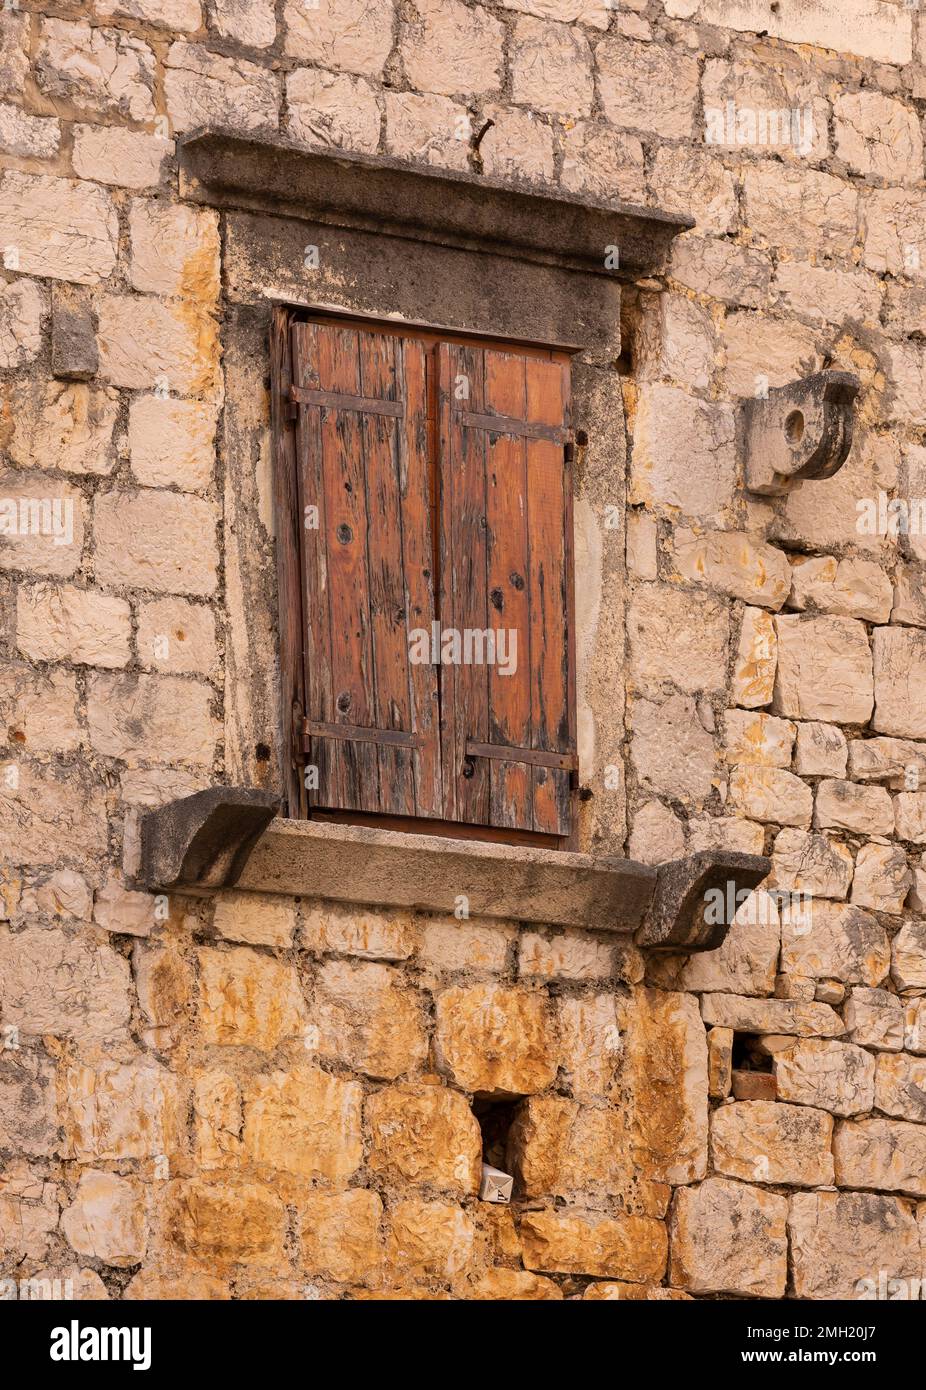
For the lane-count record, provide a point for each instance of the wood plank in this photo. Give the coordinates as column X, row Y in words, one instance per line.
column 508, row 564
column 362, row 405
column 287, row 510
column 391, row 704
column 503, row 423
column 419, row 549
column 547, row 388
column 467, row 585
column 346, row 544
column 319, row 697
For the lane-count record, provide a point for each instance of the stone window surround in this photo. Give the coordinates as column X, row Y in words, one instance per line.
column 233, row 835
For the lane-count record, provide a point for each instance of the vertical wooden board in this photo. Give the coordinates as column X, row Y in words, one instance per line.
column 508, row 566
column 417, row 521
column 446, row 365
column 468, row 582
column 288, row 514
column 547, row 519
column 322, row 754
column 346, row 545
column 391, row 704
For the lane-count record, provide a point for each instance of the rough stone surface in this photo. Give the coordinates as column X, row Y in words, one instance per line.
column 834, row 1076
column 758, row 1141
column 827, row 1265
column 729, row 1238
column 889, row 1154
column 824, row 670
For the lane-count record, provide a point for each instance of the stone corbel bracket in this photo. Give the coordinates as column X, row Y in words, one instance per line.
column 202, row 842
column 230, row 836
column 798, row 432
column 697, row 898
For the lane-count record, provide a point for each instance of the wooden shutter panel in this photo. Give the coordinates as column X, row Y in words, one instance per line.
column 506, row 564
column 372, row 720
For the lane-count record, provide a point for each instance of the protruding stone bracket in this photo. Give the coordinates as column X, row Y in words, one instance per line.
column 232, row 836
column 696, row 899
column 202, row 842
column 798, row 432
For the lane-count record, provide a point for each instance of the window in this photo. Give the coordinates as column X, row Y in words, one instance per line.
column 427, row 609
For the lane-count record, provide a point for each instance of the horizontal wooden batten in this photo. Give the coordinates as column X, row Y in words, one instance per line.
column 504, row 424
column 355, row 733
column 535, row 756
column 334, row 400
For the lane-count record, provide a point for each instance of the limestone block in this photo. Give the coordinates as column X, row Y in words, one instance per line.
column 106, row 1219
column 760, row 1141
column 425, row 1134
column 164, row 983
column 258, row 919
column 875, row 1018
column 247, row 999
column 63, row 986
column 22, row 304
column 792, row 208
column 448, row 48
column 590, row 1044
column 116, row 1111
column 770, row 1015
column 156, row 540
column 729, row 1238
column 428, row 1240
column 340, row 1235
column 304, row 1121
column 63, row 623
column 684, row 455
column 770, row 794
column 849, row 588
column 147, row 343
column 59, row 228
column 843, row 805
column 886, row 1154
column 343, row 35
column 908, row 956
column 676, row 636
column 331, row 109
column 882, row 877
column 368, row 1016
column 124, row 158
column 97, row 69
column 204, row 89
column 900, row 682
column 834, row 1076
column 447, row 944
column 177, row 637
column 251, row 22
column 430, row 129
column 811, row 863
column 900, row 1086
column 840, row 1241
column 646, row 88
column 869, row 28
column 65, row 425
column 672, row 752
column 824, row 670
column 833, row 941
column 570, row 955
column 577, row 1242
column 602, row 162
column 756, row 660
column 734, row 563
column 821, row 750
column 496, row 1040
column 39, row 709
column 151, row 719
column 517, row 146
column 226, row 1223
column 28, row 1103
column 878, row 136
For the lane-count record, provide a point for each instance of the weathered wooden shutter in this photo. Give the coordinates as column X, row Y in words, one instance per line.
column 508, row 740
column 372, row 719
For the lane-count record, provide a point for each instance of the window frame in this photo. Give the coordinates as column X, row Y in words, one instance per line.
column 289, row 547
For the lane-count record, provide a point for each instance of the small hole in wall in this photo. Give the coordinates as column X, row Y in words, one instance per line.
column 495, row 1120
column 262, row 753
column 794, row 427
column 748, row 1056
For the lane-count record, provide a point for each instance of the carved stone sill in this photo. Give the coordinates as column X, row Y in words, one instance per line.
column 227, row 837
column 449, row 207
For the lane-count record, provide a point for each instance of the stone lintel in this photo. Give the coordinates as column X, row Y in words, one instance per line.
column 230, row 836
column 450, row 207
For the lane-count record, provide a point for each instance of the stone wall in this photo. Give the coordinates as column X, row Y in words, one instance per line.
column 263, row 1097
